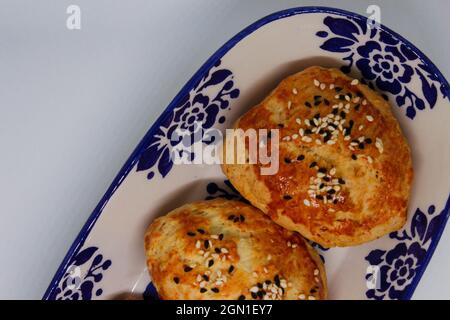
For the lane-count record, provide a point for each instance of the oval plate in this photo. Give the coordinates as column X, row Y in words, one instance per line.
column 107, row 259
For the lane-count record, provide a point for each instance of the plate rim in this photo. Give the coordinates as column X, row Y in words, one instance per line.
column 142, row 145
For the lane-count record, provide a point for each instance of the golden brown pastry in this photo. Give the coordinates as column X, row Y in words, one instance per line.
column 345, row 167
column 221, row 249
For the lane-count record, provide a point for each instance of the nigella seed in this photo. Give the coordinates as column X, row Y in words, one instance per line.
column 242, row 218
column 254, row 296
column 300, row 157
column 221, row 236
column 202, row 290
column 231, row 217
column 287, row 197
column 176, row 280
column 201, row 231
column 210, row 263
column 308, row 104
column 191, row 234
column 215, row 290
column 206, row 244
column 217, row 250
column 231, row 269
column 241, row 297
column 354, row 157
column 287, row 160
column 187, row 269
column 313, row 164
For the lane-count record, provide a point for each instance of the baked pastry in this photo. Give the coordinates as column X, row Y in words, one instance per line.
column 222, row 249
column 345, row 168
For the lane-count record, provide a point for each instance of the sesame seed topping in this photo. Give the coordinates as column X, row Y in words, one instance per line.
column 316, row 82
column 289, row 104
column 316, row 272
column 302, row 297
column 294, row 91
column 364, row 102
column 331, row 86
column 298, row 120
column 306, row 202
column 176, row 280
column 369, row 118
column 323, row 86
column 354, row 82
column 311, row 298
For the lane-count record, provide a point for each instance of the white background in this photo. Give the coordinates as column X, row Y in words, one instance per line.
column 74, row 104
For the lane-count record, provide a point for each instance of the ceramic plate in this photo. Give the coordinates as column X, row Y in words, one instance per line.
column 107, row 258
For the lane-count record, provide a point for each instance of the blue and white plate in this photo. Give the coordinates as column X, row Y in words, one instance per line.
column 107, row 259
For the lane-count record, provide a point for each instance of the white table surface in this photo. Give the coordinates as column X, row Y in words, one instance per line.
column 74, row 104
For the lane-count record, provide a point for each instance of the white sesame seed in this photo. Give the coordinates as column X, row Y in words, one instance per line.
column 379, row 144
column 294, row 136
column 364, row 102
column 323, row 86
column 301, row 132
column 320, row 174
column 255, row 274
column 330, row 142
column 369, row 118
column 199, row 278
column 269, row 257
column 224, row 250
column 289, row 244
column 198, row 244
column 294, row 91
column 298, row 120
column 316, row 272
column 215, row 255
column 360, row 127
column 369, row 159
column 346, row 138
column 287, row 138
column 354, row 82
column 331, row 86
column 202, row 284
column 307, row 122
column 332, row 171
column 316, row 279
column 302, row 297
column 356, row 99
column 289, row 104
column 306, row 202
column 318, row 142
column 347, row 98
column 214, row 236
column 316, row 82
column 294, row 246
column 311, row 298
column 254, row 289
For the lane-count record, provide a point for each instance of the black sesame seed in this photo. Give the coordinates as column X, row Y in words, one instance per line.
column 260, row 294
column 176, row 280
column 241, row 297
column 231, row 217
column 342, row 114
column 259, row 285
column 341, row 181
column 322, row 185
column 317, row 115
column 215, row 290
column 368, row 141
column 280, row 125
column 313, row 164
column 359, row 94
column 335, row 201
column 230, row 269
column 341, row 97
column 308, row 104
column 313, row 291
column 326, row 179
column 287, row 197
column 202, row 290
column 201, row 231
column 357, row 107
column 327, row 103
column 187, row 269
column 210, row 263
column 206, row 244
column 335, row 111
column 361, row 145
column 319, row 196
column 242, row 218
column 191, row 234
column 318, row 102
column 277, row 280
column 338, row 89
column 317, row 97
column 221, row 236
column 205, row 277
column 308, row 131
column 236, row 219
column 254, row 295
column 287, row 160
column 268, row 282
column 350, row 95
column 351, row 122
column 300, row 157
column 354, row 157
column 322, row 170
column 217, row 250
column 331, row 191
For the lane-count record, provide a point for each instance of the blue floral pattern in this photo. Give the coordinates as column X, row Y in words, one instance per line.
column 383, row 60
column 399, row 265
column 204, row 105
column 78, row 283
